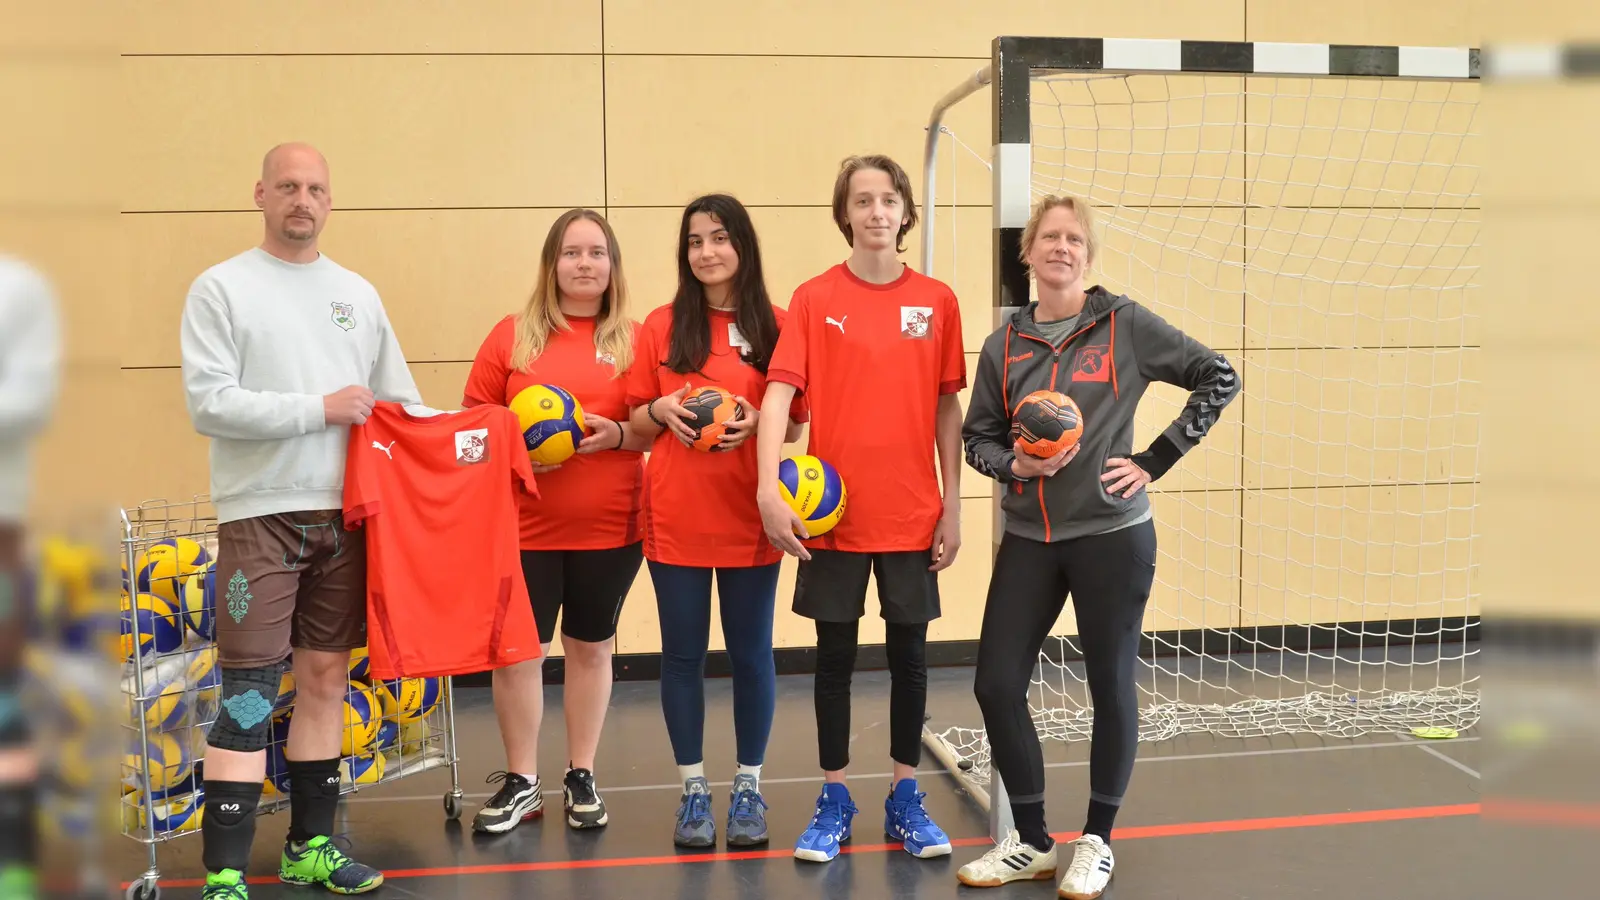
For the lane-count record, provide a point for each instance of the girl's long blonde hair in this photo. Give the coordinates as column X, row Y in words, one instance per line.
column 613, row 333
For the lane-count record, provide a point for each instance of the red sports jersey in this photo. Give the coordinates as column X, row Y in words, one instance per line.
column 873, row 360
column 702, row 506
column 593, row 502
column 437, row 497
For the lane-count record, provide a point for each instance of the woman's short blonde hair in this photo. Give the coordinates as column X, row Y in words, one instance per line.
column 1079, row 209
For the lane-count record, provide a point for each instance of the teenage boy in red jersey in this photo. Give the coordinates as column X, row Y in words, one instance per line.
column 877, row 350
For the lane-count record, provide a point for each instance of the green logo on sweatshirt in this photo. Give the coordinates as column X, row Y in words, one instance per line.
column 344, row 315
column 238, row 596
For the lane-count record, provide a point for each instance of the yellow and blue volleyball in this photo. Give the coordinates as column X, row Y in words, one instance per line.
column 167, row 761
column 364, row 769
column 177, row 814
column 551, row 421
column 814, row 490
column 151, row 625
column 200, row 603
column 161, row 568
column 388, row 735
column 408, row 699
column 361, row 716
column 286, row 692
column 360, row 665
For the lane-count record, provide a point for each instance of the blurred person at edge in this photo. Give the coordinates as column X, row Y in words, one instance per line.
column 30, row 352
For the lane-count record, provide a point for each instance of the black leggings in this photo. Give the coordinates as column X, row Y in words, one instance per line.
column 1109, row 578
column 907, row 647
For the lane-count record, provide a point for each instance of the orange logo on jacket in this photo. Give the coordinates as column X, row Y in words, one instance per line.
column 1093, row 363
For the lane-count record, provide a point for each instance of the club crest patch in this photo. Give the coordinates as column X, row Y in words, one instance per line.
column 344, row 315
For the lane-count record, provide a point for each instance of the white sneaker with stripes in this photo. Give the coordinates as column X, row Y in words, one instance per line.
column 1090, row 869
column 1011, row 860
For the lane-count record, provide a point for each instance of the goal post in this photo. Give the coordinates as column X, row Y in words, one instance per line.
column 1311, row 211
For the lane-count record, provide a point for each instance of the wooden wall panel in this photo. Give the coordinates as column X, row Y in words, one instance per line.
column 1330, row 417
column 1367, row 278
column 779, row 137
column 523, row 130
column 899, row 27
column 445, row 276
column 303, row 27
column 1421, row 23
column 1359, row 553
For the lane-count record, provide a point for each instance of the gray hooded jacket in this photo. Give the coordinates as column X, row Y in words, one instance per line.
column 1117, row 349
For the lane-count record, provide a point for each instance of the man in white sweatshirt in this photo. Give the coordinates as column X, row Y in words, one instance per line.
column 284, row 350
column 30, row 361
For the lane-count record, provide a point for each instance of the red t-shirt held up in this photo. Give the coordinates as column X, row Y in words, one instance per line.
column 700, row 507
column 873, row 361
column 437, row 499
column 594, row 500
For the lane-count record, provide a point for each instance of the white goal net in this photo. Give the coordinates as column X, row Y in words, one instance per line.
column 1318, row 563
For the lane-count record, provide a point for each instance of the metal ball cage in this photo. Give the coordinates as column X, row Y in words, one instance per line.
column 163, row 799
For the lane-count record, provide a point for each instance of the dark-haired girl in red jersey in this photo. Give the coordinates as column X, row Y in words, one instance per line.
column 581, row 540
column 702, row 518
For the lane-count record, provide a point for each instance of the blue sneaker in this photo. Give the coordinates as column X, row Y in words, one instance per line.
column 695, row 828
column 747, row 821
column 829, row 828
column 907, row 821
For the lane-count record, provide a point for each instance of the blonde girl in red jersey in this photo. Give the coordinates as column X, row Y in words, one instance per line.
column 581, row 540
column 719, row 330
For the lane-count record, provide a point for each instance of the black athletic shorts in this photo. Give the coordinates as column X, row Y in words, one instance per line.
column 586, row 587
column 832, row 586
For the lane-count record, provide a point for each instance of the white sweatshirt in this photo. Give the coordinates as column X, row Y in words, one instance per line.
column 30, row 363
column 263, row 341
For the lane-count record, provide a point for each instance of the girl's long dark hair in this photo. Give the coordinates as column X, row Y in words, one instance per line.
column 691, row 323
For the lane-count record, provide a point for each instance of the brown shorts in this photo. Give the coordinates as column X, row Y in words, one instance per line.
column 289, row 580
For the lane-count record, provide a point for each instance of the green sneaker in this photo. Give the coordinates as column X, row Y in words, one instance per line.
column 17, row 882
column 320, row 862
column 225, row 885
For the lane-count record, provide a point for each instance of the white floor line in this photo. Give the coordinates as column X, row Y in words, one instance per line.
column 1446, row 757
column 922, row 773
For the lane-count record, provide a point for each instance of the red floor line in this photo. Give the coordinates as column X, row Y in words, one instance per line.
column 1183, row 829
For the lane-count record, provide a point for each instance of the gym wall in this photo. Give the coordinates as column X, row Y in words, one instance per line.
column 458, row 131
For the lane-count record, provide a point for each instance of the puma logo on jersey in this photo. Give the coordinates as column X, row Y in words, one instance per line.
column 386, row 450
column 839, row 323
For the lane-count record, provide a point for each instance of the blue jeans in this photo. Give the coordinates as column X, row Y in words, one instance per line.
column 748, row 598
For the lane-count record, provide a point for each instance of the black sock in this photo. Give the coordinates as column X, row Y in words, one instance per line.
column 313, row 798
column 19, row 840
column 228, row 827
column 1101, row 815
column 1029, row 818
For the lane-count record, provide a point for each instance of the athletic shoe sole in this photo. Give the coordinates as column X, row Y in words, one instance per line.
column 512, row 821
column 997, row 882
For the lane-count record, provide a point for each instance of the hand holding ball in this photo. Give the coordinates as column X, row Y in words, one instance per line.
column 1046, row 423
column 552, row 423
column 712, row 410
column 1045, row 429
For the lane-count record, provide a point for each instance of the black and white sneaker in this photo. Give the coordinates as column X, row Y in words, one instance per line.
column 585, row 809
column 517, row 801
column 1013, row 859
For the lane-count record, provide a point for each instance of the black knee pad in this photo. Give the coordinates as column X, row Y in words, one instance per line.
column 244, row 722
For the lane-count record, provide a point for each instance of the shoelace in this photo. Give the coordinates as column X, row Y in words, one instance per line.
column 1011, row 845
column 745, row 803
column 1084, row 858
column 226, row 892
column 830, row 814
column 913, row 814
column 583, row 792
column 698, row 808
column 508, row 790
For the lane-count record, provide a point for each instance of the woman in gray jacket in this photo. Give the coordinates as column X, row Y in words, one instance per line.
column 1074, row 525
